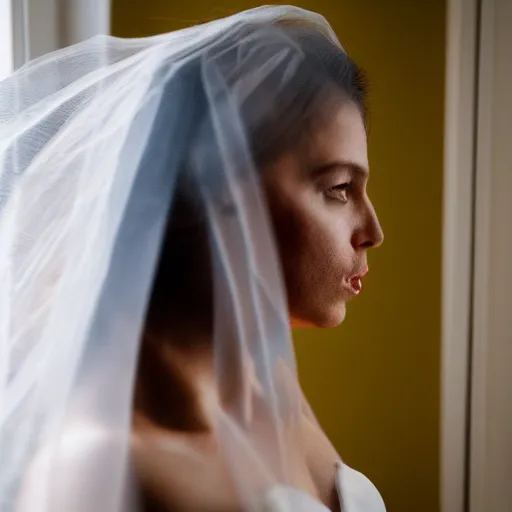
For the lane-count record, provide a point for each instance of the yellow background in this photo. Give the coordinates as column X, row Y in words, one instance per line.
column 374, row 382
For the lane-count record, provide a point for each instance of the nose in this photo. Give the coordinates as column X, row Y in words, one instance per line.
column 370, row 235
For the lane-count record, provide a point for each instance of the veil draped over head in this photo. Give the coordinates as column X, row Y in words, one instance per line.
column 93, row 142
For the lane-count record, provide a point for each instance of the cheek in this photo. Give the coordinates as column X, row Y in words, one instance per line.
column 315, row 247
column 326, row 249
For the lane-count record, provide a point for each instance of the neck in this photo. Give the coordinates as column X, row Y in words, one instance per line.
column 175, row 373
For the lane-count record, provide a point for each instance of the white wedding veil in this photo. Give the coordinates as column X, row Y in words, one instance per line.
column 92, row 142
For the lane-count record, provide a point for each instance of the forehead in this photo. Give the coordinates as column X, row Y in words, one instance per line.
column 339, row 135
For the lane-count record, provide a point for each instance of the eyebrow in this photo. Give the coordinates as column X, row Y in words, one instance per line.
column 342, row 165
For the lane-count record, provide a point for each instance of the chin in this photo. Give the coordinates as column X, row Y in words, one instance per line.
column 324, row 319
column 334, row 317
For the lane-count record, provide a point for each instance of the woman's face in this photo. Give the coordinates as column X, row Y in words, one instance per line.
column 323, row 219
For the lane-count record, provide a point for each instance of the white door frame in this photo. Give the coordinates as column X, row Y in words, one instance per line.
column 458, row 229
column 476, row 426
column 491, row 405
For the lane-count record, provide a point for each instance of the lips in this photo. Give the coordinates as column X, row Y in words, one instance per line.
column 356, row 281
column 356, row 285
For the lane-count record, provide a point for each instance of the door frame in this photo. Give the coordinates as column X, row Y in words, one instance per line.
column 490, row 449
column 476, row 411
column 461, row 101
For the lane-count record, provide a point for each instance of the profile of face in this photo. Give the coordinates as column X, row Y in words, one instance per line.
column 323, row 219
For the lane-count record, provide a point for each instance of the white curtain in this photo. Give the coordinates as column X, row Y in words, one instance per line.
column 42, row 26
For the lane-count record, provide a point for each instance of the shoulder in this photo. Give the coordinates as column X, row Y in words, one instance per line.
column 181, row 471
column 357, row 491
column 78, row 468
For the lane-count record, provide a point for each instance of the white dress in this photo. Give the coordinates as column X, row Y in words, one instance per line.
column 355, row 491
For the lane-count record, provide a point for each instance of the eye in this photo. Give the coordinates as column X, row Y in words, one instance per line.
column 339, row 192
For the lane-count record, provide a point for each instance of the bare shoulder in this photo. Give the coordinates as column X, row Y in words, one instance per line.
column 79, row 470
column 181, row 472
column 168, row 472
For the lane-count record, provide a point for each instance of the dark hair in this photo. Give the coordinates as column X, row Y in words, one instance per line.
column 327, row 59
column 280, row 113
column 275, row 120
column 325, row 74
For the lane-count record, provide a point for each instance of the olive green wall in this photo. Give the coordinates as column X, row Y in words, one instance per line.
column 374, row 382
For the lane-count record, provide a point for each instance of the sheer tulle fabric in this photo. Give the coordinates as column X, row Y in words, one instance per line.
column 91, row 139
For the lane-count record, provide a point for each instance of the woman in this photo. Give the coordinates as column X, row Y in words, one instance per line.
column 231, row 158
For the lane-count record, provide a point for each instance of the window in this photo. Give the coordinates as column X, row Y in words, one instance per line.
column 6, row 49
